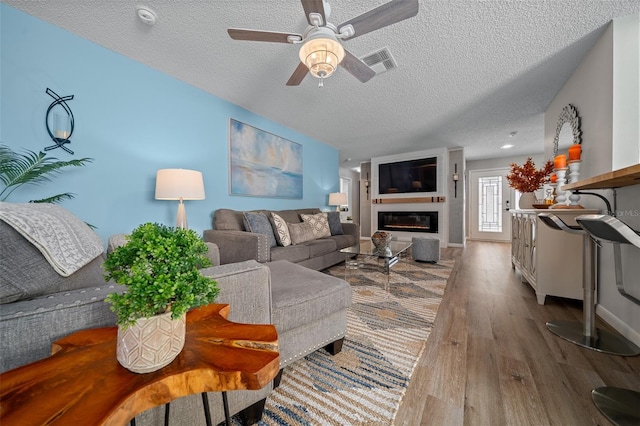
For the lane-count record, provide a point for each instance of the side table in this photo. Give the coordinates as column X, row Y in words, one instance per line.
column 83, row 379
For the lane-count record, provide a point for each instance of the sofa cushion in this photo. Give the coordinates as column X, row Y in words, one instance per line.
column 228, row 220
column 300, row 232
column 258, row 223
column 25, row 273
column 289, row 216
column 344, row 241
column 319, row 222
column 301, row 296
column 280, row 229
column 293, row 253
column 335, row 226
column 321, row 247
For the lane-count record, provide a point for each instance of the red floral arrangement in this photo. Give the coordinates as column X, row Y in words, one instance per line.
column 527, row 178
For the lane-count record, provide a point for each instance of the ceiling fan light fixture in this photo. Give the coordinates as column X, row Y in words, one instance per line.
column 321, row 55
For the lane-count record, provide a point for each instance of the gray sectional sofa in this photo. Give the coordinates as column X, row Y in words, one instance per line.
column 237, row 243
column 308, row 308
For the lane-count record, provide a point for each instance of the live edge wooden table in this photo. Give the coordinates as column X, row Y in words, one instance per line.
column 83, row 380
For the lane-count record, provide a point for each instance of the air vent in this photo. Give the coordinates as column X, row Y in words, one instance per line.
column 380, row 61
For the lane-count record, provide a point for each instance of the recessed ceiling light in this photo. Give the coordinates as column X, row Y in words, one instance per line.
column 512, row 134
column 506, row 146
column 146, row 15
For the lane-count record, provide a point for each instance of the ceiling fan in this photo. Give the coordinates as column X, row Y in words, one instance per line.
column 321, row 50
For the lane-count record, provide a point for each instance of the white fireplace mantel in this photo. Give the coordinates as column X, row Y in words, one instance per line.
column 440, row 207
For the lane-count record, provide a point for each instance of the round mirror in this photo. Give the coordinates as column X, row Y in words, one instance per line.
column 568, row 129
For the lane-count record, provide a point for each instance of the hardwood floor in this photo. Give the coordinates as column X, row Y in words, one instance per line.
column 491, row 361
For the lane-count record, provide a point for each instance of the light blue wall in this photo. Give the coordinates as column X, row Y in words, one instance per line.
column 132, row 120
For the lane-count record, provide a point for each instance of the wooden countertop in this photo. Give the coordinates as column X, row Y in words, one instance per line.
column 618, row 178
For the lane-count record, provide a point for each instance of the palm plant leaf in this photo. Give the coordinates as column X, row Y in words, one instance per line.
column 17, row 169
column 55, row 198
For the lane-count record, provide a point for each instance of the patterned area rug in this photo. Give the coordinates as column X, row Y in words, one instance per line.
column 387, row 331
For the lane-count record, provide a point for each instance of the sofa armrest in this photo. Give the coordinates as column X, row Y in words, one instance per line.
column 213, row 253
column 238, row 246
column 29, row 327
column 350, row 228
column 246, row 288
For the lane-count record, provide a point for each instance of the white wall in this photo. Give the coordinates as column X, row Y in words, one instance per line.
column 626, row 91
column 596, row 90
column 354, row 203
column 590, row 90
column 496, row 163
column 365, row 200
column 456, row 198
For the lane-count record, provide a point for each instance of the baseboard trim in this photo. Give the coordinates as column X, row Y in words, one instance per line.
column 618, row 324
column 455, row 245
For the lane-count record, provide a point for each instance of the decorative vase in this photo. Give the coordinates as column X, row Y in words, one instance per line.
column 527, row 200
column 381, row 239
column 150, row 343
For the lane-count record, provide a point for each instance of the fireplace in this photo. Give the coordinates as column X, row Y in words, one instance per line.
column 408, row 221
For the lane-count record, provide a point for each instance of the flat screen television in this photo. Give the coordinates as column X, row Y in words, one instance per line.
column 408, row 176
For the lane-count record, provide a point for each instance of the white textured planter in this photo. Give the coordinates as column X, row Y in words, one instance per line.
column 151, row 343
column 527, row 200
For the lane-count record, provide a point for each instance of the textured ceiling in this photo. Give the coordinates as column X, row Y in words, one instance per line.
column 469, row 72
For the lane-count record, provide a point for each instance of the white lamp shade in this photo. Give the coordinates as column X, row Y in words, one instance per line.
column 175, row 184
column 321, row 55
column 338, row 199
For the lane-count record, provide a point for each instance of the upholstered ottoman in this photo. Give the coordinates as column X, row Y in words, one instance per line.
column 309, row 310
column 425, row 249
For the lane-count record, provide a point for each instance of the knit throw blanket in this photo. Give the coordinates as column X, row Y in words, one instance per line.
column 65, row 241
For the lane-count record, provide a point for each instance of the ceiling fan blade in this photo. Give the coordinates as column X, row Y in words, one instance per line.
column 254, row 35
column 356, row 67
column 382, row 16
column 298, row 75
column 313, row 6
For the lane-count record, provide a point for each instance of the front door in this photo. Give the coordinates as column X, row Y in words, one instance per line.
column 491, row 199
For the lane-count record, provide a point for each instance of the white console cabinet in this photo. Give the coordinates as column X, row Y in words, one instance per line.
column 549, row 260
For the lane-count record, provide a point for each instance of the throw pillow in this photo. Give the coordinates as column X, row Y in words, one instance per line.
column 258, row 223
column 319, row 222
column 335, row 226
column 300, row 232
column 281, row 230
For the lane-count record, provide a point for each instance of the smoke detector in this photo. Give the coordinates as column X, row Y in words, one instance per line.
column 146, row 15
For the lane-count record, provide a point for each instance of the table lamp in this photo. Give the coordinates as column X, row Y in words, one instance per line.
column 338, row 199
column 179, row 184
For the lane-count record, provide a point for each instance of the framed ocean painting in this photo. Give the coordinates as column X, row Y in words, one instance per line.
column 262, row 164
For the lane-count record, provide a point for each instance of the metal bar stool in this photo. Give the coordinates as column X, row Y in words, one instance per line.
column 586, row 334
column 618, row 405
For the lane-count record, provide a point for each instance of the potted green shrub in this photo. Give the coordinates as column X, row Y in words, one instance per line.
column 160, row 267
